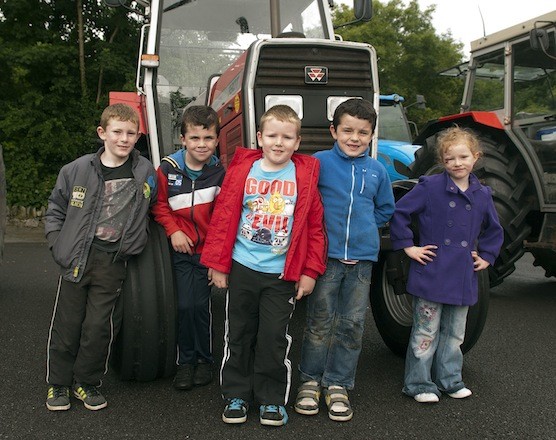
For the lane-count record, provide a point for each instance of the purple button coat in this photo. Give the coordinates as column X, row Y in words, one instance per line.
column 458, row 223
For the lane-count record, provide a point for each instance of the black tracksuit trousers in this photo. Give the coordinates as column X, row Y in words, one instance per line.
column 255, row 364
column 83, row 327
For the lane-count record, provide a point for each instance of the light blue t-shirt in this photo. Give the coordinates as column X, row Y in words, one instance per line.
column 266, row 219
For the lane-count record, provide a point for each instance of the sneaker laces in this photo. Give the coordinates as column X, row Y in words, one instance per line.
column 59, row 391
column 271, row 409
column 90, row 390
column 236, row 403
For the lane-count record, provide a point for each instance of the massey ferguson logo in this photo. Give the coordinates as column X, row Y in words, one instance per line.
column 316, row 75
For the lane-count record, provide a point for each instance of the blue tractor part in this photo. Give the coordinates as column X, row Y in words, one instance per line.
column 395, row 150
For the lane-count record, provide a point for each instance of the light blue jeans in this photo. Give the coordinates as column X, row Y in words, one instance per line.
column 335, row 322
column 434, row 359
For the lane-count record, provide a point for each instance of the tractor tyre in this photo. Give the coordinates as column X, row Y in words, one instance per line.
column 503, row 170
column 145, row 348
column 393, row 313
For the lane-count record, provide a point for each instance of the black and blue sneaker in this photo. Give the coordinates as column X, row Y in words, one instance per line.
column 273, row 415
column 235, row 411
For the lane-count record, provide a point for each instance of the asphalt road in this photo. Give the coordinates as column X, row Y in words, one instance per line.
column 511, row 371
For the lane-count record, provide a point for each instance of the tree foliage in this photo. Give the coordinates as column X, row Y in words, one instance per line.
column 60, row 58
column 48, row 118
column 410, row 55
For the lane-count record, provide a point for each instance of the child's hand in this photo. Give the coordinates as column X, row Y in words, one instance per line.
column 421, row 254
column 217, row 279
column 304, row 287
column 478, row 263
column 182, row 243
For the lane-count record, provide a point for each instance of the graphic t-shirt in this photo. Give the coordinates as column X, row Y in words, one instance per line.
column 266, row 221
column 119, row 193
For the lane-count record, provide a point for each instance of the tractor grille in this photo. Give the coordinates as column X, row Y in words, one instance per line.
column 283, row 66
column 281, row 71
column 315, row 139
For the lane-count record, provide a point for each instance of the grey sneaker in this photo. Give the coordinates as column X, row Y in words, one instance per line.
column 90, row 395
column 58, row 398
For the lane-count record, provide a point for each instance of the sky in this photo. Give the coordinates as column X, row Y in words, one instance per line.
column 463, row 18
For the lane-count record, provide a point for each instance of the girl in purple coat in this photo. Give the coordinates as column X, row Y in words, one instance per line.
column 459, row 235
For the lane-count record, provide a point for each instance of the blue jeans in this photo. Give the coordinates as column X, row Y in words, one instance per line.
column 434, row 359
column 335, row 322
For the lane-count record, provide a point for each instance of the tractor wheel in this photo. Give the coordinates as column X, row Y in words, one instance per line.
column 503, row 170
column 146, row 345
column 393, row 313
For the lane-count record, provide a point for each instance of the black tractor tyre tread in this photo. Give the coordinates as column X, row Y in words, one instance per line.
column 145, row 348
column 166, row 305
column 502, row 169
column 396, row 336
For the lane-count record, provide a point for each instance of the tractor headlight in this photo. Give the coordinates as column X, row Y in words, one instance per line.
column 294, row 101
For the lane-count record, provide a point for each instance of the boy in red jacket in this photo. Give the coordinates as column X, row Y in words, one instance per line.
column 266, row 244
column 190, row 180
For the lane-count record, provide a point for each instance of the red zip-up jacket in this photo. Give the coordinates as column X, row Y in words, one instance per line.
column 308, row 245
column 186, row 205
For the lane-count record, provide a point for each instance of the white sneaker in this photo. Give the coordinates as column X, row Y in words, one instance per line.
column 461, row 394
column 426, row 398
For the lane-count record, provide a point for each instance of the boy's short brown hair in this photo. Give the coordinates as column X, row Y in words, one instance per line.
column 358, row 108
column 282, row 113
column 200, row 115
column 120, row 112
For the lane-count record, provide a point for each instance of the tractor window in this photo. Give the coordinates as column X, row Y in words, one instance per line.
column 303, row 17
column 534, row 77
column 392, row 124
column 201, row 38
column 488, row 91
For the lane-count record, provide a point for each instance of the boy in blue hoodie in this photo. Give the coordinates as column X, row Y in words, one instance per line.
column 358, row 200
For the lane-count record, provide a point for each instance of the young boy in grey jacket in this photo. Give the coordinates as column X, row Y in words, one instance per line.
column 97, row 217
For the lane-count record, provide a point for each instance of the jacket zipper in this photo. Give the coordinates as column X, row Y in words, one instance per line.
column 350, row 209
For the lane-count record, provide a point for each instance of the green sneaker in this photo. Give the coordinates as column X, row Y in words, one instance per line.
column 90, row 395
column 58, row 398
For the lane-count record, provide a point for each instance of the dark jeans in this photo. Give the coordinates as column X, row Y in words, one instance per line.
column 194, row 309
column 83, row 327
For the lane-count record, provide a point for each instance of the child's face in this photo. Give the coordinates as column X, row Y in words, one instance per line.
column 200, row 144
column 278, row 140
column 353, row 135
column 119, row 139
column 459, row 160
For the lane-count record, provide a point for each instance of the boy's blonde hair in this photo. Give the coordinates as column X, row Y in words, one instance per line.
column 120, row 112
column 282, row 113
column 454, row 135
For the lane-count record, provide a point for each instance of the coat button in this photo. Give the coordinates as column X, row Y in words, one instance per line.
column 463, row 243
column 468, row 207
column 452, row 204
column 450, row 223
column 447, row 241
